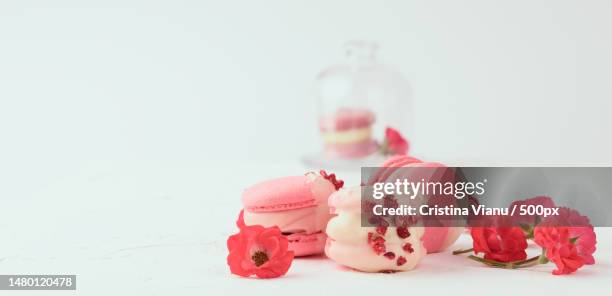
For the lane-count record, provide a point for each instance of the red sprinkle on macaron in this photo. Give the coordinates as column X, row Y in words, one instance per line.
column 332, row 178
column 408, row 248
column 379, row 248
column 381, row 230
column 390, row 255
column 377, row 243
column 401, row 261
column 403, row 232
column 379, row 240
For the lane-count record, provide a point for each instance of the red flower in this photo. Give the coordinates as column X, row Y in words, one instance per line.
column 394, row 142
column 561, row 248
column 260, row 251
column 567, row 239
column 550, row 237
column 566, row 258
column 504, row 244
column 579, row 231
column 585, row 242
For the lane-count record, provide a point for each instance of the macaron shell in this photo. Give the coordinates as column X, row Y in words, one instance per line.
column 399, row 161
column 390, row 166
column 362, row 258
column 345, row 199
column 346, row 227
column 308, row 220
column 280, row 194
column 352, row 150
column 307, row 244
column 345, row 119
column 348, row 137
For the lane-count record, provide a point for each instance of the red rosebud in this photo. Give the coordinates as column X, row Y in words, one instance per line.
column 395, row 143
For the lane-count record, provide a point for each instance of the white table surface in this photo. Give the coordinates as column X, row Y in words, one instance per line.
column 161, row 230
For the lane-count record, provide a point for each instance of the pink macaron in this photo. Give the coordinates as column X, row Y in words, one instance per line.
column 369, row 249
column 435, row 239
column 348, row 132
column 346, row 119
column 297, row 205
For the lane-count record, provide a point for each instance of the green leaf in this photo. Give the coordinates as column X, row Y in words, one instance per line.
column 574, row 239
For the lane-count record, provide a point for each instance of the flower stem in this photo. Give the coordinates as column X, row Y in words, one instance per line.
column 542, row 258
column 457, row 252
column 508, row 265
column 527, row 263
column 384, row 148
column 488, row 262
column 528, row 229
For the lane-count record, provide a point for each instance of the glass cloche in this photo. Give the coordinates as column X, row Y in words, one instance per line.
column 357, row 100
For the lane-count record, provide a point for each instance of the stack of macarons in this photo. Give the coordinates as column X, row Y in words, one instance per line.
column 297, row 205
column 347, row 133
column 317, row 215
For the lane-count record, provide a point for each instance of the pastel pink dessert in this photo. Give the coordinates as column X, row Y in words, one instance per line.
column 297, row 205
column 348, row 133
column 436, row 239
column 369, row 249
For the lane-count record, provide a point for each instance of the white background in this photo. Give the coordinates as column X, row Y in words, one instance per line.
column 126, row 124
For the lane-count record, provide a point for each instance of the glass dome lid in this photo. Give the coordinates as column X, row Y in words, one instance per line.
column 358, row 99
